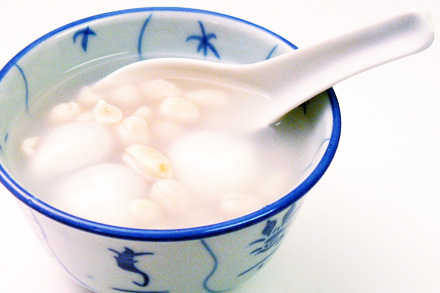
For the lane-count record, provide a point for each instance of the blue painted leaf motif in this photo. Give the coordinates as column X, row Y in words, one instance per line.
column 84, row 35
column 26, row 87
column 126, row 261
column 204, row 41
column 271, row 52
column 270, row 225
column 273, row 232
column 141, row 35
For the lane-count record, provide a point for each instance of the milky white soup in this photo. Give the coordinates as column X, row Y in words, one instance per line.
column 154, row 153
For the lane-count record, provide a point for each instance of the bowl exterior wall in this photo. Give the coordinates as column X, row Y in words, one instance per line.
column 107, row 264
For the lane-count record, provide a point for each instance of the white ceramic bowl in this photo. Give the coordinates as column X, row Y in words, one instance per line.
column 105, row 258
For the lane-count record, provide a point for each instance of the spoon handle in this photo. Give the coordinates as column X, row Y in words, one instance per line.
column 294, row 78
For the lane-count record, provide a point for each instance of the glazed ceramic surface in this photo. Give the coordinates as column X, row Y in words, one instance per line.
column 104, row 258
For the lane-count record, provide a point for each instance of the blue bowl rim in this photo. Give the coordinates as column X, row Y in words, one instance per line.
column 177, row 234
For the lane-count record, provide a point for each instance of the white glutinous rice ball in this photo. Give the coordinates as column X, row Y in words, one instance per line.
column 69, row 147
column 101, row 193
column 212, row 163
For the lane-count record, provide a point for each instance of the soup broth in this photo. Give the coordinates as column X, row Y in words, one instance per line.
column 154, row 152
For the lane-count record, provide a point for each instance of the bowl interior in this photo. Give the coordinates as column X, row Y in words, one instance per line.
column 87, row 50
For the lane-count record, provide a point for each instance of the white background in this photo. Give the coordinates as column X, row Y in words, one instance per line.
column 372, row 224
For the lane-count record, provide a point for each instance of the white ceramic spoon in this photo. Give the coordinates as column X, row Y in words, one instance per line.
column 293, row 78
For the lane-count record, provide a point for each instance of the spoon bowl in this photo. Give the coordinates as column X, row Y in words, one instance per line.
column 292, row 78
